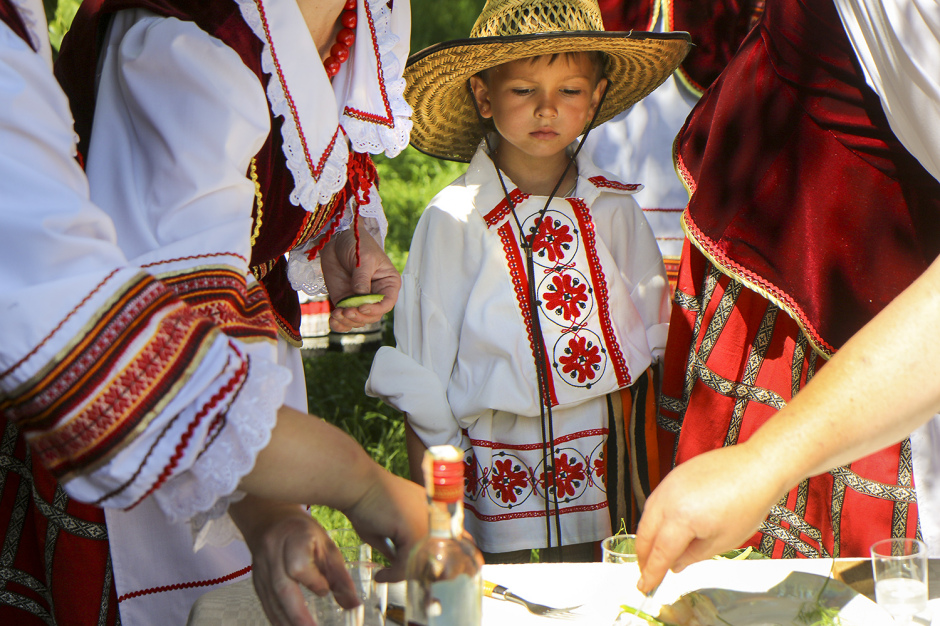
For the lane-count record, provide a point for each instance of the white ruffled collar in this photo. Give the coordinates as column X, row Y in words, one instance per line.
column 34, row 18
column 369, row 90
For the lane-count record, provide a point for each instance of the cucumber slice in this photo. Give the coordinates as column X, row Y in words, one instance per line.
column 354, row 301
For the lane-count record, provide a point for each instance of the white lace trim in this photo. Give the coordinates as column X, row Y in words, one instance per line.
column 305, row 275
column 375, row 138
column 216, row 531
column 204, row 491
column 310, row 192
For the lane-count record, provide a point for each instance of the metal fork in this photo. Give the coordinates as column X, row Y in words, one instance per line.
column 492, row 590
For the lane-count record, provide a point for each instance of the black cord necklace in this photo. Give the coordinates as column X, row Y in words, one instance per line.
column 541, row 361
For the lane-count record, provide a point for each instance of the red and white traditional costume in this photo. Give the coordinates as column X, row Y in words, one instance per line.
column 140, row 357
column 807, row 217
column 637, row 144
column 464, row 367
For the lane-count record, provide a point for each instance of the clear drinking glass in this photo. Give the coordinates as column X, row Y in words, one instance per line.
column 900, row 572
column 373, row 595
column 350, row 544
column 619, row 549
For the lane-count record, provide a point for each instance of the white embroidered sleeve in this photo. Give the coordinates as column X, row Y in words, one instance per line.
column 177, row 121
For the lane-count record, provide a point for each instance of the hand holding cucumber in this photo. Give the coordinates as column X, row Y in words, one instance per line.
column 361, row 293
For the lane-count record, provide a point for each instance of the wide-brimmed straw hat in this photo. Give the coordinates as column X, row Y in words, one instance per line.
column 446, row 124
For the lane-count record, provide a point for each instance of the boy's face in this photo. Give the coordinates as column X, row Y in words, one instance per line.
column 539, row 106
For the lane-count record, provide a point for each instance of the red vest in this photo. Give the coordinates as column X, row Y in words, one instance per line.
column 800, row 188
column 283, row 225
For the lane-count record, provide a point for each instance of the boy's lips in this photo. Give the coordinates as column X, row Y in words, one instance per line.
column 544, row 133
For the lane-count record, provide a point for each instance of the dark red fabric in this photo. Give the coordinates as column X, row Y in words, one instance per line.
column 800, row 187
column 717, row 29
column 623, row 15
column 283, row 225
column 11, row 17
column 58, row 569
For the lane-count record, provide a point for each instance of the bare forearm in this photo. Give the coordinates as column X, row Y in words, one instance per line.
column 882, row 385
column 312, row 462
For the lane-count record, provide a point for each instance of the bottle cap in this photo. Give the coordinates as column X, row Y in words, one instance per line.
column 443, row 473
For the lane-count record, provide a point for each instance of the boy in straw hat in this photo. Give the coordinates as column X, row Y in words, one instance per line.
column 534, row 299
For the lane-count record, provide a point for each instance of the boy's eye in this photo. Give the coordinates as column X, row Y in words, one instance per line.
column 521, row 91
column 571, row 92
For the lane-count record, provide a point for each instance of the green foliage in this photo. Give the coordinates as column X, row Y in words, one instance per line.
column 433, row 21
column 60, row 21
column 335, row 388
column 407, row 183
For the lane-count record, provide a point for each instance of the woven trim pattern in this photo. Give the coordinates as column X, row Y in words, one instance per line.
column 536, row 16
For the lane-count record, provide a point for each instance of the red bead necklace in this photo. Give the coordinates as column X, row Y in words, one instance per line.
column 344, row 39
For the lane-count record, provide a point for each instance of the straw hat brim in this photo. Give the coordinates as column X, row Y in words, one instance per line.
column 445, row 119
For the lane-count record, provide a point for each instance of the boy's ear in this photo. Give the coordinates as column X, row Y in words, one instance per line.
column 481, row 94
column 598, row 92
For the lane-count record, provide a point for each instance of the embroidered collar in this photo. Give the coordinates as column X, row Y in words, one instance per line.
column 592, row 182
column 368, row 90
column 33, row 16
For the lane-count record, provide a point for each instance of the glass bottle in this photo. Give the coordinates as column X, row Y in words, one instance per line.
column 444, row 572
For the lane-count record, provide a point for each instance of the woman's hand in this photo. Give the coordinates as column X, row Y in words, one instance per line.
column 375, row 274
column 288, row 549
column 392, row 508
column 711, row 503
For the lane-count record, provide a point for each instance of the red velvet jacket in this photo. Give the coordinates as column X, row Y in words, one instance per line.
column 800, row 189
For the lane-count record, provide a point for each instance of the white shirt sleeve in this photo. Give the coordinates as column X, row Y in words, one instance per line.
column 177, row 121
column 898, row 45
column 630, row 240
column 415, row 375
column 94, row 338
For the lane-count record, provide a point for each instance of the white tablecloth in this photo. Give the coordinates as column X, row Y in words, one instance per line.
column 599, row 587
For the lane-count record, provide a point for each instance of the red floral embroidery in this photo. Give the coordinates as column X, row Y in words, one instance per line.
column 568, row 476
column 600, row 466
column 552, row 239
column 580, row 359
column 470, row 480
column 508, row 481
column 566, row 295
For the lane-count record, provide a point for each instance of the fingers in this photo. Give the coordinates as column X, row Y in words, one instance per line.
column 666, row 547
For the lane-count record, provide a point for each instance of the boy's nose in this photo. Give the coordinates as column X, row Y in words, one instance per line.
column 547, row 108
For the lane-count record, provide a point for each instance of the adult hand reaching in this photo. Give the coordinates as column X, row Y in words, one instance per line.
column 289, row 548
column 707, row 505
column 392, row 508
column 374, row 274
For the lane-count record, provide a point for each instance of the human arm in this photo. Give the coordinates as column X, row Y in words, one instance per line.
column 414, row 375
column 877, row 389
column 379, row 504
column 630, row 240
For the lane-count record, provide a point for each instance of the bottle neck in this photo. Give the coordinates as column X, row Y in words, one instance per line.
column 446, row 518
